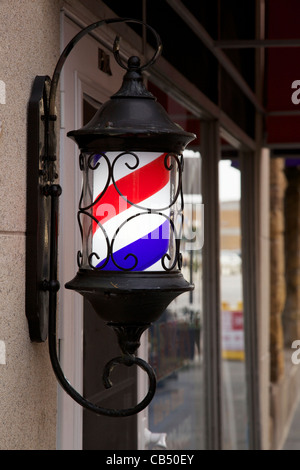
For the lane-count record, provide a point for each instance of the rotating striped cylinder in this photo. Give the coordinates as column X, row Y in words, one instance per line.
column 132, row 231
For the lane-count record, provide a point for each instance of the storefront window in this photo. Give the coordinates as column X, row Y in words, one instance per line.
column 232, row 332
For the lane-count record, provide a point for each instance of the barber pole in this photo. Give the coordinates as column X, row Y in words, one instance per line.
column 132, row 215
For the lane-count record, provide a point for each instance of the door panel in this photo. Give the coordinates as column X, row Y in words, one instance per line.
column 100, row 432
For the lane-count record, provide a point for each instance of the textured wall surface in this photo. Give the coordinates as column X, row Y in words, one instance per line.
column 29, row 34
column 278, row 290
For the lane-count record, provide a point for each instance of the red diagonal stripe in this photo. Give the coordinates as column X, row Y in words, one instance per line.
column 136, row 187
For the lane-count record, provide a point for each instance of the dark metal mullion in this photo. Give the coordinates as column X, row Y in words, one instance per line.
column 249, row 257
column 210, row 152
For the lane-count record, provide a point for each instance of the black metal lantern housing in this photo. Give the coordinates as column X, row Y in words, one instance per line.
column 130, row 216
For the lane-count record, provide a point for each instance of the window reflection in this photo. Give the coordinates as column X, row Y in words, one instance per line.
column 232, row 331
column 175, row 346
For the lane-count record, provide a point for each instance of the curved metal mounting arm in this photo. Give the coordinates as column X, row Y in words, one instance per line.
column 116, row 47
column 52, row 286
column 54, row 191
column 127, row 360
column 132, row 334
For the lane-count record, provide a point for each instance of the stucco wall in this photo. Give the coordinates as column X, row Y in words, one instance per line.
column 29, row 34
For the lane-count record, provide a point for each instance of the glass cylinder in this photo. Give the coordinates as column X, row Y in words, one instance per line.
column 130, row 211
